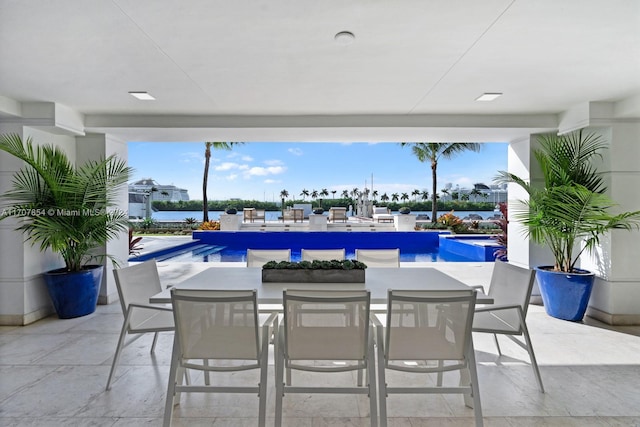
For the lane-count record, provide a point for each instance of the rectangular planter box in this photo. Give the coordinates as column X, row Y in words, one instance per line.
column 313, row 276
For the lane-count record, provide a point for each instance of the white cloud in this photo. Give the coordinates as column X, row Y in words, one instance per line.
column 274, row 162
column 260, row 171
column 247, row 159
column 295, row 151
column 231, row 177
column 191, row 156
column 272, row 181
column 227, row 166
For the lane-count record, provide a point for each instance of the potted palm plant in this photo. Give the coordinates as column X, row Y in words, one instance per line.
column 68, row 209
column 569, row 214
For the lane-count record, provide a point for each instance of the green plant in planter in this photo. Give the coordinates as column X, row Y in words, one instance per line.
column 63, row 207
column 405, row 210
column 335, row 264
column 571, row 208
column 570, row 213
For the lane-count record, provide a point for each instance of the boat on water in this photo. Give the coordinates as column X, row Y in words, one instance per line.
column 145, row 191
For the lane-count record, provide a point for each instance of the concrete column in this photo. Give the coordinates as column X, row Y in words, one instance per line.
column 24, row 297
column 616, row 294
column 96, row 147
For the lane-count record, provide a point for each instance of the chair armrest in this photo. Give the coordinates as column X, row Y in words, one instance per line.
column 478, row 287
column 375, row 321
column 497, row 308
column 270, row 320
column 151, row 306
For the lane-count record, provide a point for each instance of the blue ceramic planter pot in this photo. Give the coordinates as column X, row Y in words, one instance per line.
column 565, row 295
column 74, row 294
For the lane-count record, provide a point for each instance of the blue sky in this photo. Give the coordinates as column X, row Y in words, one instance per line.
column 259, row 171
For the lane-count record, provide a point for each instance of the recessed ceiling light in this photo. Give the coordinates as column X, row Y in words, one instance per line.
column 488, row 96
column 344, row 38
column 144, row 96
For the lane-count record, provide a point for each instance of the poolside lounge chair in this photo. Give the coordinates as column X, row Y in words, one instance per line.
column 338, row 214
column 295, row 215
column 252, row 214
column 382, row 214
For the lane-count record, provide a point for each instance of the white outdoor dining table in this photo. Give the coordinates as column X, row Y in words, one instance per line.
column 377, row 280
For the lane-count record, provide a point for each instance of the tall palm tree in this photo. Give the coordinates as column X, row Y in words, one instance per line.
column 395, row 197
column 384, row 197
column 323, row 193
column 205, row 180
column 345, row 194
column 475, row 193
column 445, row 191
column 333, row 193
column 283, row 195
column 415, row 193
column 355, row 193
column 424, row 195
column 432, row 152
column 404, row 197
column 304, row 193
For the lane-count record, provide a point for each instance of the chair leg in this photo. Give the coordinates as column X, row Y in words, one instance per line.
column 279, row 368
column 116, row 357
column 155, row 340
column 475, row 390
column 264, row 365
column 207, row 376
column 532, row 356
column 382, row 385
column 495, row 338
column 371, row 370
column 171, row 387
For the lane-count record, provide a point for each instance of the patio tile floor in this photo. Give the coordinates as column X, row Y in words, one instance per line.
column 53, row 373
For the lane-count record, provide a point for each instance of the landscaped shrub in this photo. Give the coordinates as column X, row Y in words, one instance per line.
column 449, row 220
column 210, row 226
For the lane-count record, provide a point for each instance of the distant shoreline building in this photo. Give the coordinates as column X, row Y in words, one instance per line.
column 479, row 193
column 146, row 190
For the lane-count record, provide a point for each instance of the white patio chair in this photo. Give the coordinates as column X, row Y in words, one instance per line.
column 338, row 214
column 222, row 327
column 259, row 257
column 321, row 328
column 379, row 257
column 322, row 254
column 433, row 337
column 510, row 289
column 135, row 285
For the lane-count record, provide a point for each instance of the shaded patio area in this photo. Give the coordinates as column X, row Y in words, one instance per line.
column 54, row 373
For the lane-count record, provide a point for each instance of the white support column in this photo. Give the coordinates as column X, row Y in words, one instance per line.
column 100, row 146
column 616, row 295
column 521, row 251
column 24, row 297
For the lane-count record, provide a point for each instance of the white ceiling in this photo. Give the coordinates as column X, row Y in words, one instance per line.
column 271, row 70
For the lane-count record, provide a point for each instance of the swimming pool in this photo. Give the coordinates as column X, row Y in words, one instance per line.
column 231, row 246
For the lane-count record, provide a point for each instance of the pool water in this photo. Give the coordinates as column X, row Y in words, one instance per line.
column 220, row 246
